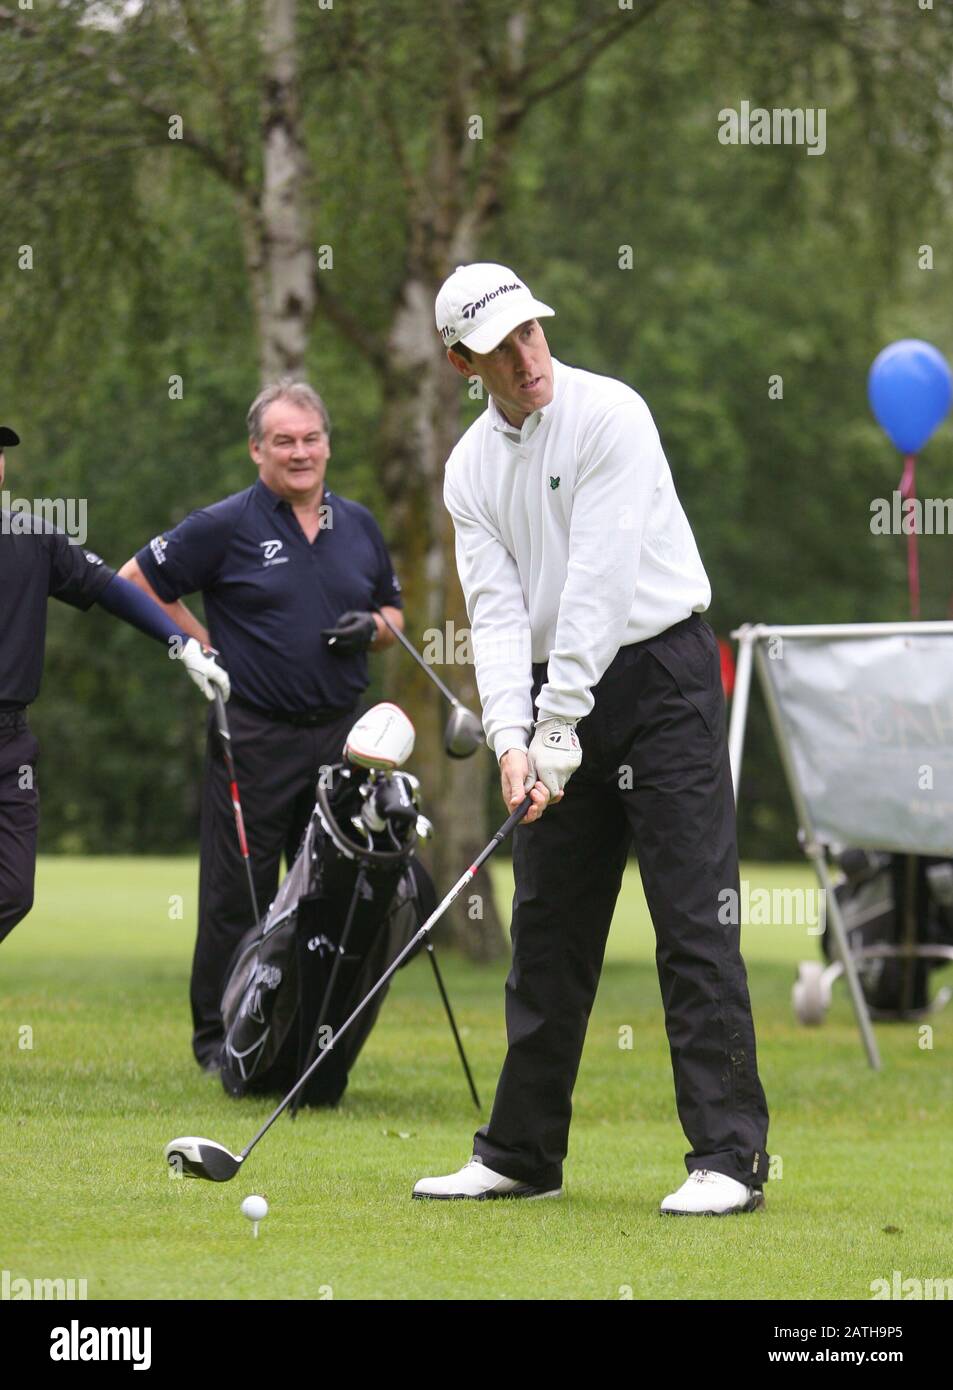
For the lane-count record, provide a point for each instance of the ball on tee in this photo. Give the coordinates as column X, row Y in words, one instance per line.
column 255, row 1208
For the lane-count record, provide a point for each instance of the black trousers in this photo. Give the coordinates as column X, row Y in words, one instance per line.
column 277, row 767
column 19, row 825
column 654, row 769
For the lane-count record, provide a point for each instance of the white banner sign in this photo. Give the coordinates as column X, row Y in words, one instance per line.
column 869, row 722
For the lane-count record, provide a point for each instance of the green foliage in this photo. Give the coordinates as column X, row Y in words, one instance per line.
column 749, row 263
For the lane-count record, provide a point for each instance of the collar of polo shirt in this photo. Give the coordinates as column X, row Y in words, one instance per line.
column 277, row 501
column 533, row 421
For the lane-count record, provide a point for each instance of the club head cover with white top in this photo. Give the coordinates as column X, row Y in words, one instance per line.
column 382, row 738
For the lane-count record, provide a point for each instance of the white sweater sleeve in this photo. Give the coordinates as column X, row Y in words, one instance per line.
column 618, row 474
column 499, row 623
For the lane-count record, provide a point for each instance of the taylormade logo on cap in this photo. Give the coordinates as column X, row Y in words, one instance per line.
column 481, row 303
column 469, row 310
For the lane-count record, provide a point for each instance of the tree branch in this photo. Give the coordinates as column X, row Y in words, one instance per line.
column 385, row 115
column 515, row 101
column 593, row 40
column 12, row 19
column 370, row 344
column 235, row 153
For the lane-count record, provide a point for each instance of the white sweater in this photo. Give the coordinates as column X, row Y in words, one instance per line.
column 571, row 543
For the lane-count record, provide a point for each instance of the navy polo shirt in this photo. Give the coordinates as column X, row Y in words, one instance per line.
column 37, row 563
column 269, row 592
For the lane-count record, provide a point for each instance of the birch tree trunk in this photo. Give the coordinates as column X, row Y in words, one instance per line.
column 286, row 257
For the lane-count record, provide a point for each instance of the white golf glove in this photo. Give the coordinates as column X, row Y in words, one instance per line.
column 204, row 670
column 554, row 754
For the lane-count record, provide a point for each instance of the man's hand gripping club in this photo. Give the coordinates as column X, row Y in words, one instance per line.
column 543, row 769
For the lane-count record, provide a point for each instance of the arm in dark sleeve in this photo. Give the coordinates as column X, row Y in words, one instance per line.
column 387, row 592
column 77, row 576
column 189, row 557
column 125, row 601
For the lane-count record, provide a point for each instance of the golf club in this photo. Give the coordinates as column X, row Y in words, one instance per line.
column 204, row 1158
column 464, row 732
column 221, row 719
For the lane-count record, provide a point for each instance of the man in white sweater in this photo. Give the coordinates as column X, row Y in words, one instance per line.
column 584, row 587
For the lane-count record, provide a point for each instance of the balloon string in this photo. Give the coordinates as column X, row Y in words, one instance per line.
column 908, row 488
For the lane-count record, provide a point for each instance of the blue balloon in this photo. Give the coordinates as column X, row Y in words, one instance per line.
column 910, row 389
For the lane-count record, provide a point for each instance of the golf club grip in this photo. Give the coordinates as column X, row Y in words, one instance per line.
column 508, row 825
column 395, row 965
column 225, row 740
column 224, row 733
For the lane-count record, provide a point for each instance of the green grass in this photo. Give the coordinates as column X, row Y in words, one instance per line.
column 99, row 973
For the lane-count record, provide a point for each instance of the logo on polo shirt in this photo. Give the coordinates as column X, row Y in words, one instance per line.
column 159, row 545
column 92, row 558
column 271, row 556
column 554, row 483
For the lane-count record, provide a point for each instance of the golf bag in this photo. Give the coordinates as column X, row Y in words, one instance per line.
column 891, row 902
column 353, row 898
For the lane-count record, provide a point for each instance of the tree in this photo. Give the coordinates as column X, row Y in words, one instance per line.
column 319, row 193
column 481, row 68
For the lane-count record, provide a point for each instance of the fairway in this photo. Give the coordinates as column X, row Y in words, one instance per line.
column 99, row 974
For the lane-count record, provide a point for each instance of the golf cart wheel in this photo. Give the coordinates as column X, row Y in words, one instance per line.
column 810, row 994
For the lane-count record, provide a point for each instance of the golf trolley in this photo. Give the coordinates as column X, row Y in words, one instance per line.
column 898, row 915
column 379, row 742
column 862, row 715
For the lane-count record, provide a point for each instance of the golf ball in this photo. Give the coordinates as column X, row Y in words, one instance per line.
column 255, row 1208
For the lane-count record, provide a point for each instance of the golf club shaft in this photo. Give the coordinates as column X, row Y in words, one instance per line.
column 511, row 822
column 225, row 738
column 453, row 1023
column 409, row 646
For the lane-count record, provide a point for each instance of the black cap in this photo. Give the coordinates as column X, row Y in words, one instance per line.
column 8, row 437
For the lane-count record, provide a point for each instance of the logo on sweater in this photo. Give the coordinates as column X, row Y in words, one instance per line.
column 554, row 483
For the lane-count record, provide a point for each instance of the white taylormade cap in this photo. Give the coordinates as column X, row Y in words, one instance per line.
column 481, row 303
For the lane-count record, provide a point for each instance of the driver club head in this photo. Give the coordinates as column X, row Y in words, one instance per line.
column 202, row 1158
column 463, row 734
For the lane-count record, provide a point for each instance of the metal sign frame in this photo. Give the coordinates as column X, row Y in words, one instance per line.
column 751, row 638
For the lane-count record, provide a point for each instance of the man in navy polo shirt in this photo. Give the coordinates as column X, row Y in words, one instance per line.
column 290, row 574
column 38, row 563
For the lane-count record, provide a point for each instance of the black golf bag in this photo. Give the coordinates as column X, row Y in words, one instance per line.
column 353, row 898
column 898, row 914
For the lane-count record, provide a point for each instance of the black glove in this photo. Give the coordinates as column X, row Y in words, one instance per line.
column 354, row 632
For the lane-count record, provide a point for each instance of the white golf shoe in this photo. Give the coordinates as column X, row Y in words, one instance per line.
column 477, row 1183
column 711, row 1194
